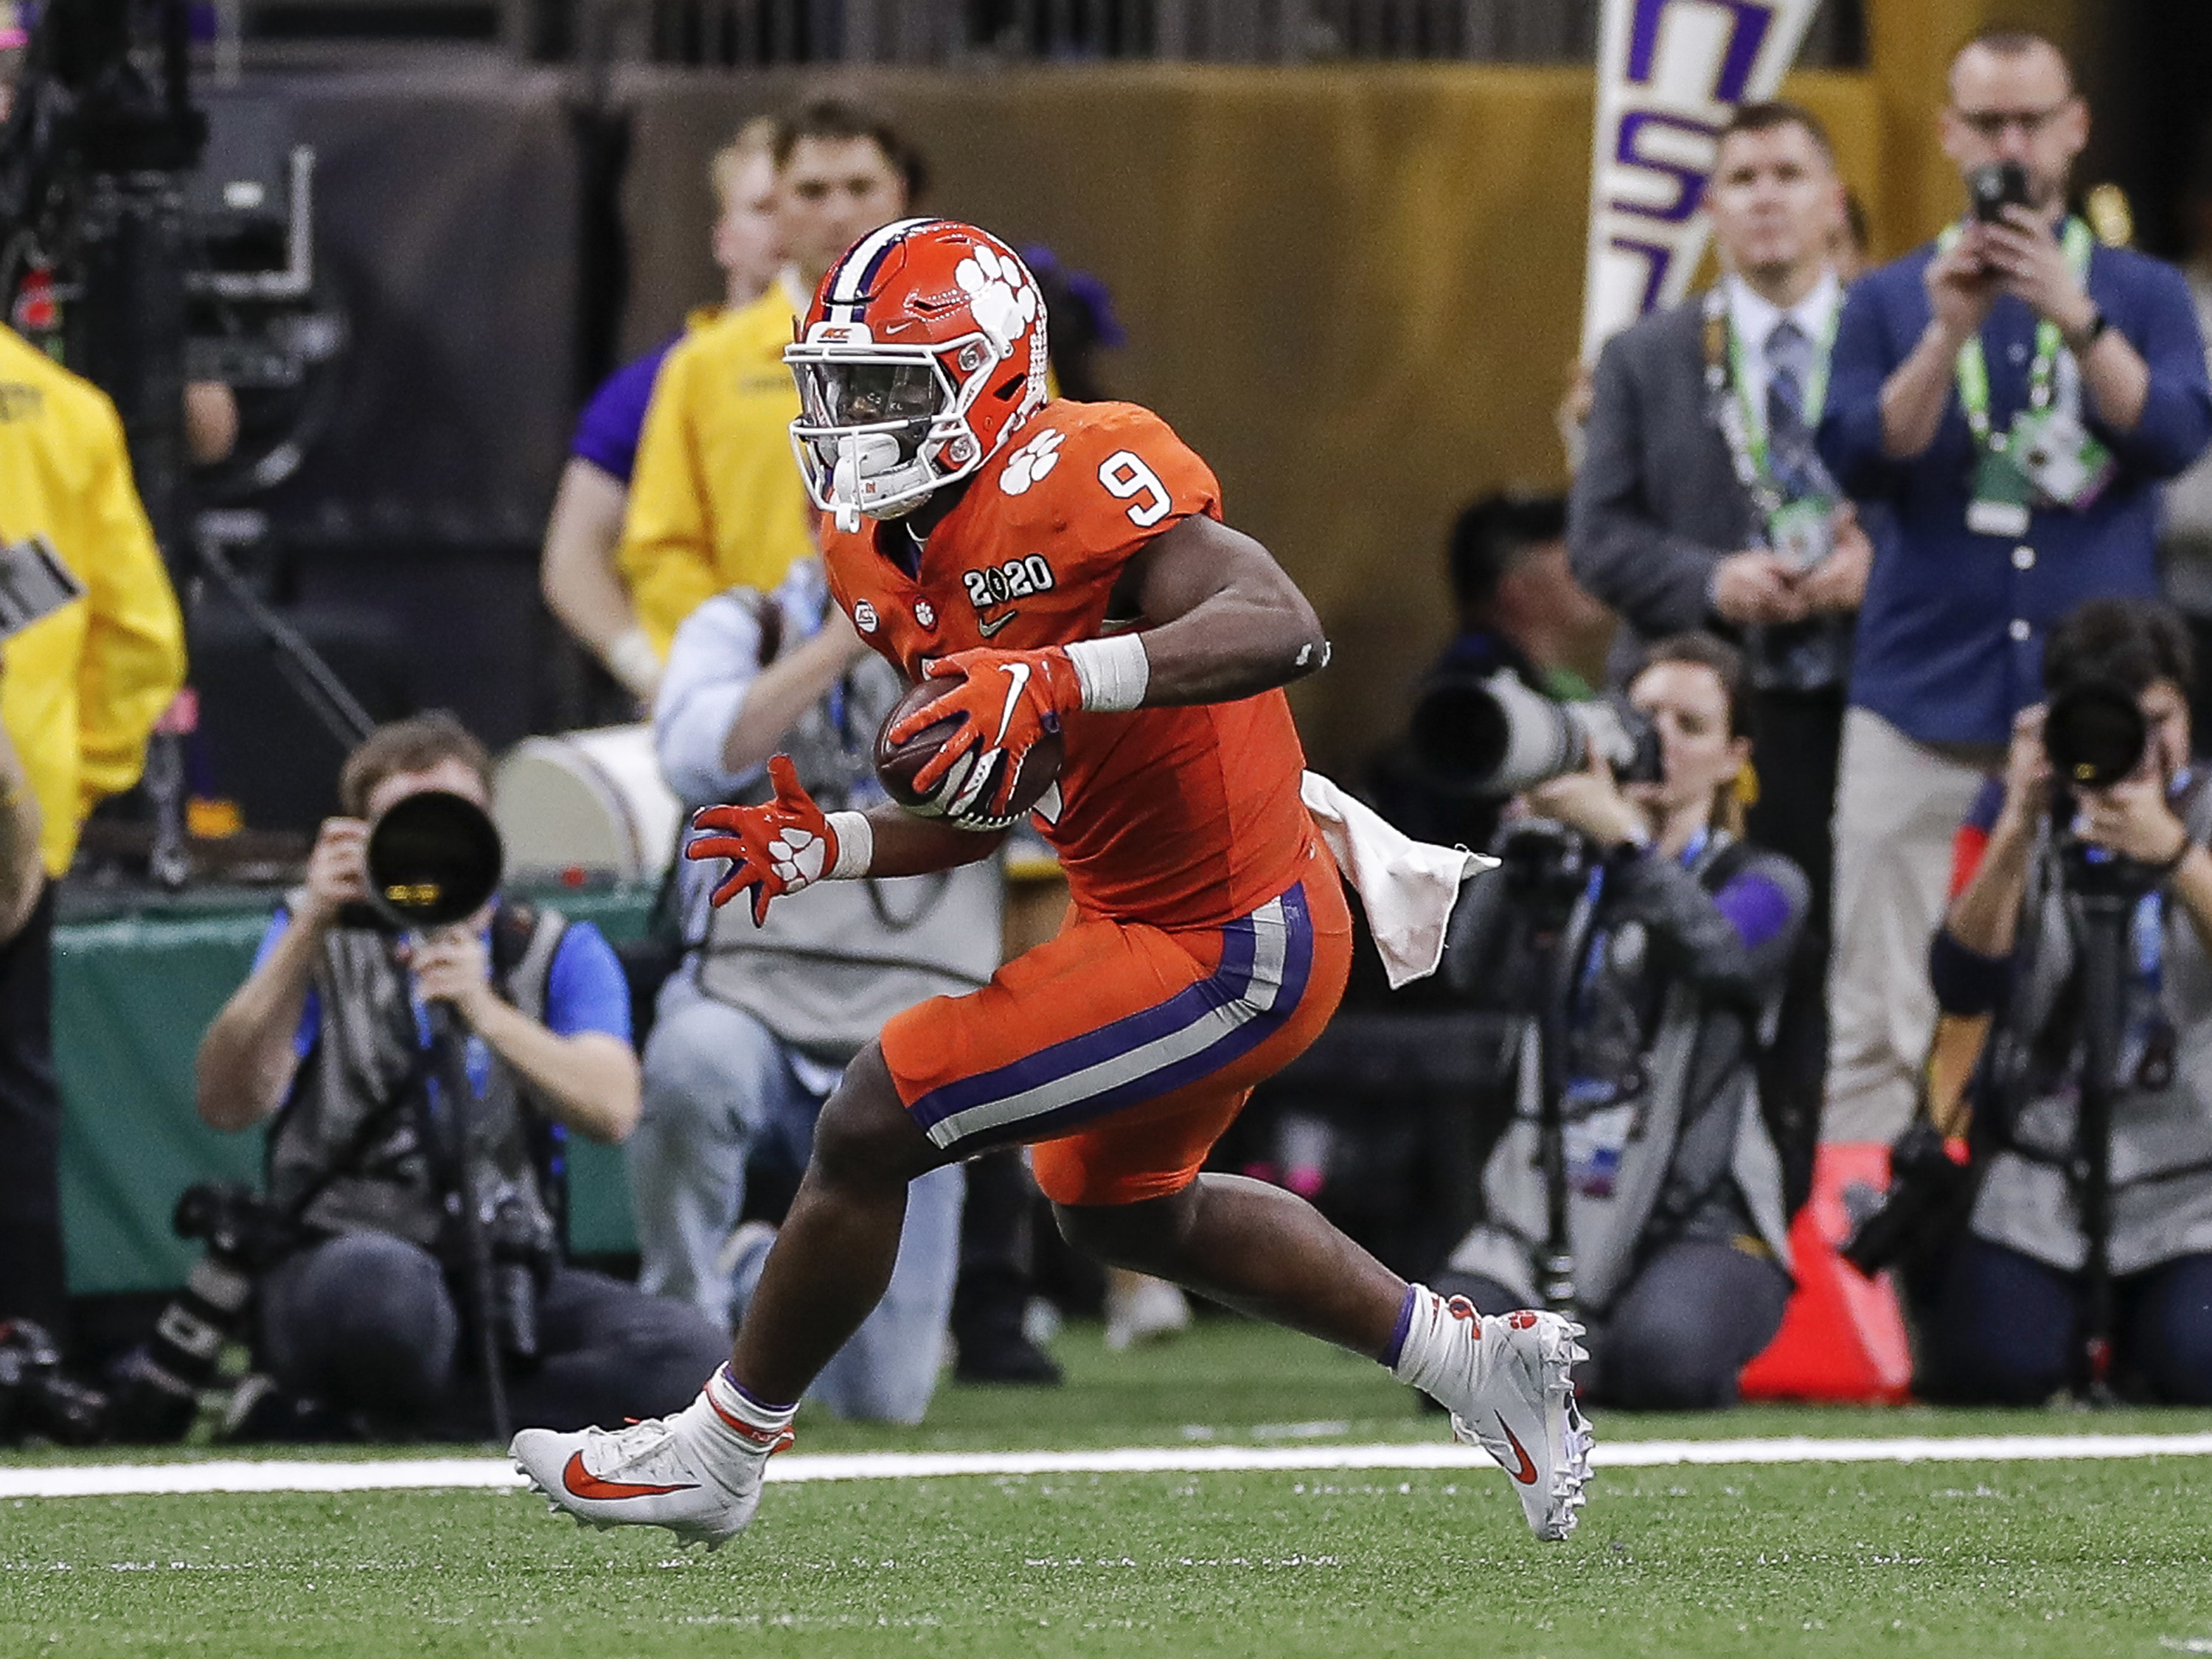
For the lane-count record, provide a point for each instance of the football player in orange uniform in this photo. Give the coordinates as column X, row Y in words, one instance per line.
column 1059, row 567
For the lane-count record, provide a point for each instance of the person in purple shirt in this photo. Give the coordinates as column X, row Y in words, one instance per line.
column 577, row 570
column 2016, row 393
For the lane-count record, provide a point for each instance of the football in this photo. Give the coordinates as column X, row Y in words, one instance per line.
column 897, row 762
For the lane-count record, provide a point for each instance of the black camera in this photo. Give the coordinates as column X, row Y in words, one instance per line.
column 157, row 1385
column 2094, row 733
column 523, row 1254
column 433, row 859
column 1995, row 185
column 1927, row 1190
column 1494, row 736
column 35, row 1398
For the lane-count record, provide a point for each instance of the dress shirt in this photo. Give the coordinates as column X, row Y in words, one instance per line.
column 1754, row 318
column 1950, row 637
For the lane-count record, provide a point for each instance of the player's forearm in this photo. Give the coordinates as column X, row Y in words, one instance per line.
column 904, row 845
column 1233, row 645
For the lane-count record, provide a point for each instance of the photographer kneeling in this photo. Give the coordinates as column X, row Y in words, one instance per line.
column 1673, row 1200
column 2011, row 1296
column 332, row 1035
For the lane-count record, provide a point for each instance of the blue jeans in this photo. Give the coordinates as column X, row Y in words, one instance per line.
column 2006, row 1329
column 369, row 1323
column 721, row 1090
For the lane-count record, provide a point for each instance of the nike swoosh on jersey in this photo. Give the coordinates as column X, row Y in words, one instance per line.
column 1018, row 674
column 1525, row 1474
column 582, row 1483
column 987, row 628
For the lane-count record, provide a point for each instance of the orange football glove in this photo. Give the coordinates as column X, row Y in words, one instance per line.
column 777, row 848
column 1011, row 700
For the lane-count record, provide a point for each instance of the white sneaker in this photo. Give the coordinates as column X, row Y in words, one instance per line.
column 1515, row 1397
column 1148, row 1311
column 687, row 1473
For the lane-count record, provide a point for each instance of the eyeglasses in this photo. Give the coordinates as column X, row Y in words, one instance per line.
column 1991, row 122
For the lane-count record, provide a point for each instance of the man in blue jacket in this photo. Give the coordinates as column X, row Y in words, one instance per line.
column 2018, row 394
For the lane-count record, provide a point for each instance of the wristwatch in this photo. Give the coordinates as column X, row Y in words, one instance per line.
column 2080, row 344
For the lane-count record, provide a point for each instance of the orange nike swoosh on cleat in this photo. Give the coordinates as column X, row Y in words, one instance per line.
column 1525, row 1474
column 582, row 1483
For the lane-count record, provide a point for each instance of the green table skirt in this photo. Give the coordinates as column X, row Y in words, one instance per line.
column 133, row 992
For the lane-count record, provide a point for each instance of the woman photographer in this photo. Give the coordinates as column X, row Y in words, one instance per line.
column 1675, row 1196
column 2009, row 1297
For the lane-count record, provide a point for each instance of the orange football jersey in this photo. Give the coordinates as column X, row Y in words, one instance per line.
column 1181, row 817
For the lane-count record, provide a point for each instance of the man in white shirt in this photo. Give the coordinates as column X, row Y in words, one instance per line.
column 1702, row 504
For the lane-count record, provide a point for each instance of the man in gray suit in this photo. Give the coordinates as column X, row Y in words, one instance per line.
column 1701, row 502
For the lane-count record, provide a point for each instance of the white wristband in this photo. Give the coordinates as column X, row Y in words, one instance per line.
column 856, row 846
column 1115, row 672
column 631, row 658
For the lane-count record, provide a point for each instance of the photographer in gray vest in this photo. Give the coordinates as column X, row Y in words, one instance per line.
column 329, row 1043
column 1662, row 1211
column 2058, row 1219
column 753, row 1031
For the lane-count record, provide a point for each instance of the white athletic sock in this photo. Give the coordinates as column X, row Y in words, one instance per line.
column 735, row 1422
column 1434, row 1338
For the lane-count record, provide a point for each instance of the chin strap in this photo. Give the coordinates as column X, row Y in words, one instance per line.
column 845, row 484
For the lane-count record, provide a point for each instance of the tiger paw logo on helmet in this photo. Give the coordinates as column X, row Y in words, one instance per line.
column 999, row 295
column 1030, row 463
column 921, row 356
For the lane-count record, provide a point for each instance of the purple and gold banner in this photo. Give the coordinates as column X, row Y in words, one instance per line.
column 1669, row 74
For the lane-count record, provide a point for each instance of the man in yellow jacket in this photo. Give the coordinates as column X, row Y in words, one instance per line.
column 716, row 500
column 79, row 690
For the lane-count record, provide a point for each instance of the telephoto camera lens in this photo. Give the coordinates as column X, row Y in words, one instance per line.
column 157, row 1384
column 1495, row 737
column 2094, row 733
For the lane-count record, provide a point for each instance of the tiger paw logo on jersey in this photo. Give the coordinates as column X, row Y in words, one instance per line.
column 1031, row 462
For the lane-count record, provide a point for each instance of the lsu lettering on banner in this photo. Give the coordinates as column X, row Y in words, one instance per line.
column 1669, row 74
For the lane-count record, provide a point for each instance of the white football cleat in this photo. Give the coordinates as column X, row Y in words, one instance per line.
column 688, row 1473
column 1514, row 1396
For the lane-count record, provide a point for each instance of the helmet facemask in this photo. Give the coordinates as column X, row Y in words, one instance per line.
column 882, row 426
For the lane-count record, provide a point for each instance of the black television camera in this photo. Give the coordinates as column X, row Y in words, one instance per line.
column 1492, row 736
column 156, row 1386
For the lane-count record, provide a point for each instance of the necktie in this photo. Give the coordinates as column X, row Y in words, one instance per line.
column 1789, row 450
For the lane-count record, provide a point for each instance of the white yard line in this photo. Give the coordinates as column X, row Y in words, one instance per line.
column 108, row 1480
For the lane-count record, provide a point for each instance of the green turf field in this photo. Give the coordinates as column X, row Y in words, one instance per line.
column 2079, row 1558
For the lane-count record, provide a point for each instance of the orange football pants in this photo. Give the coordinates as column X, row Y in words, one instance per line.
column 1123, row 1051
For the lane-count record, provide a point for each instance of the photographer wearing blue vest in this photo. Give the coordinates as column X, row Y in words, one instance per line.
column 1678, row 937
column 332, row 1041
column 2092, row 808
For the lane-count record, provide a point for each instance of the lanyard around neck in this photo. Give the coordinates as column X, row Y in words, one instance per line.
column 1973, row 367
